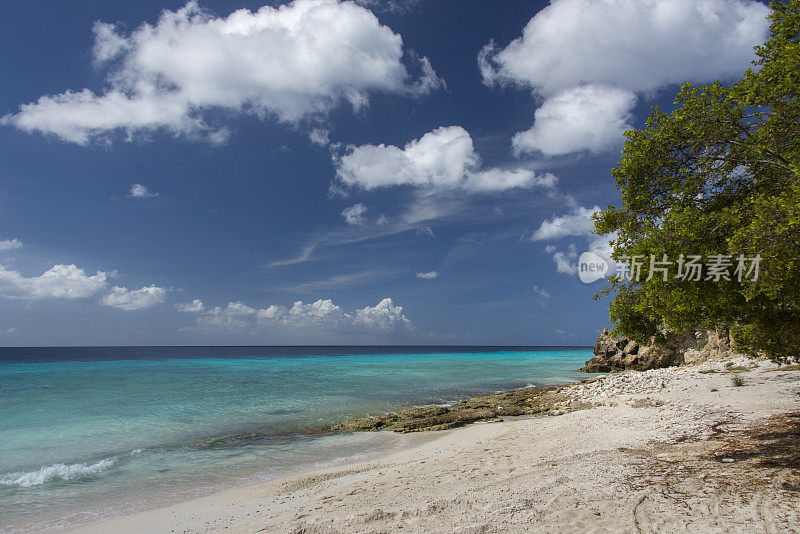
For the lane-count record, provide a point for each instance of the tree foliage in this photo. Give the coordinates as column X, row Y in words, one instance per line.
column 719, row 175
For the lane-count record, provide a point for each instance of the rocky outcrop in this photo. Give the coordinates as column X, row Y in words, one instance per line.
column 718, row 346
column 526, row 401
column 693, row 346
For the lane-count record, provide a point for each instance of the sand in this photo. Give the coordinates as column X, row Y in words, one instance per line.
column 670, row 450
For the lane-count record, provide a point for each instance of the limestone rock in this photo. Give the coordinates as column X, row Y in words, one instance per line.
column 492, row 407
column 693, row 346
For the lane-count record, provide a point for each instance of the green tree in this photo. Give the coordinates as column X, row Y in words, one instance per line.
column 719, row 175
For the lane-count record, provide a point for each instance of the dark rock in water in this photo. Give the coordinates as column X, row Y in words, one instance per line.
column 620, row 354
column 488, row 408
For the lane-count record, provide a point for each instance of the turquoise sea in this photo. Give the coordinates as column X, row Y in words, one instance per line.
column 89, row 433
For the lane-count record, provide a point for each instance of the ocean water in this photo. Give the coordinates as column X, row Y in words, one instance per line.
column 90, row 433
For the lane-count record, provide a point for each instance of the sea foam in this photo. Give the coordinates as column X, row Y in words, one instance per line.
column 55, row 471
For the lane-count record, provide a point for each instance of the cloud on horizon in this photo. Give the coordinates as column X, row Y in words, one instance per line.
column 322, row 314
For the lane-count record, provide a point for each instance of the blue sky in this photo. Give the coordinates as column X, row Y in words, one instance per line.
column 326, row 172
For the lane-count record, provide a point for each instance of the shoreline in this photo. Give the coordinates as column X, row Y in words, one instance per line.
column 373, row 450
column 196, row 434
column 616, row 432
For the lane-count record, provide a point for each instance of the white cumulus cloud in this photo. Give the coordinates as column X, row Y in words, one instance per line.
column 590, row 117
column 430, row 275
column 577, row 223
column 294, row 62
column 635, row 46
column 383, row 316
column 321, row 309
column 108, row 44
column 134, row 299
column 59, row 282
column 239, row 316
column 442, row 159
column 638, row 45
column 235, row 316
column 69, row 282
column 322, row 314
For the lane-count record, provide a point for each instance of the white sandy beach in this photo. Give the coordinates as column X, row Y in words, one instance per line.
column 670, row 450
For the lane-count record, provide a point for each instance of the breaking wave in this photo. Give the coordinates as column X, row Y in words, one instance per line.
column 55, row 471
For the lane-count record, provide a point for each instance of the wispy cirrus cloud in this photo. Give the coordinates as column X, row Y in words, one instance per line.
column 338, row 281
column 304, row 256
column 441, row 173
column 540, row 295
